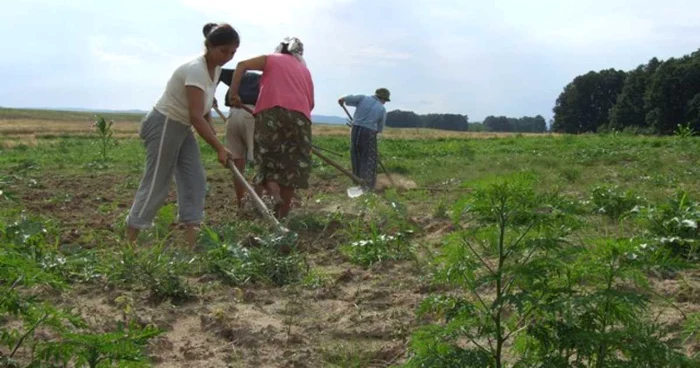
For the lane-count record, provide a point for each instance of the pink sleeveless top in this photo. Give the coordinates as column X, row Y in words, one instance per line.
column 286, row 83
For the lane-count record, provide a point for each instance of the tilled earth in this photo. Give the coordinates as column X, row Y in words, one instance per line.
column 366, row 313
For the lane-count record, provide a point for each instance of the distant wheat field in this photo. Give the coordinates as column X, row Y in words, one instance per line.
column 25, row 126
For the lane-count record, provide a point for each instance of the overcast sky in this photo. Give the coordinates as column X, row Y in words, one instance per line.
column 478, row 58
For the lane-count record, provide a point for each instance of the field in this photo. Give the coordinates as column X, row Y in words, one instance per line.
column 508, row 248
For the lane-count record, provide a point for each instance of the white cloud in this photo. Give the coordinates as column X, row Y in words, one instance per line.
column 376, row 52
column 329, row 38
column 100, row 51
column 424, row 103
column 144, row 46
column 266, row 14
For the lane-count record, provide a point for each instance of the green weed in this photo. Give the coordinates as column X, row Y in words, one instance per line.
column 24, row 274
column 316, row 279
column 597, row 314
column 347, row 355
column 614, row 203
column 154, row 268
column 674, row 224
column 684, row 131
column 252, row 260
column 378, row 248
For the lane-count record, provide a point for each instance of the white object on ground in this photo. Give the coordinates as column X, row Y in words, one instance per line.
column 354, row 192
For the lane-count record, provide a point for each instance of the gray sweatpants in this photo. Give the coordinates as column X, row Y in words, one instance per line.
column 171, row 148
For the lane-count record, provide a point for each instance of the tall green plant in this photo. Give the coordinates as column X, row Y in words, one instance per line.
column 105, row 133
column 502, row 263
column 598, row 315
column 517, row 288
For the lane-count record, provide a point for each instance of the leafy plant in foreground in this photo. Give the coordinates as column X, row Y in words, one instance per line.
column 599, row 314
column 18, row 275
column 502, row 264
column 35, row 333
column 521, row 290
column 692, row 330
column 126, row 344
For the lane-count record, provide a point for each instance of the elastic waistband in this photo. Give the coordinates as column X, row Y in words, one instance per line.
column 164, row 116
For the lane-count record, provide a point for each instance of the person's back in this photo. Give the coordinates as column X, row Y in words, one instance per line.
column 286, row 83
column 369, row 111
column 248, row 90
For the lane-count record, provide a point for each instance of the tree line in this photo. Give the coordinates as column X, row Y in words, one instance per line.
column 655, row 97
column 409, row 119
column 525, row 124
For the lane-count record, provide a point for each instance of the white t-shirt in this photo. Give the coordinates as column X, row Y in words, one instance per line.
column 173, row 101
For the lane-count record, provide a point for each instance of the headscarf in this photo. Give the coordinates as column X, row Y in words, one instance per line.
column 294, row 46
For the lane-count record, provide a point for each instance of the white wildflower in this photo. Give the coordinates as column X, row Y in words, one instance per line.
column 690, row 223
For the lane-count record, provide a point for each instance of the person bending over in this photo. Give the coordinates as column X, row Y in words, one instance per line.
column 171, row 147
column 368, row 121
column 282, row 121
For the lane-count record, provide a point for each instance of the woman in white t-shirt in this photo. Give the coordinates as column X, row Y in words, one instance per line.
column 168, row 135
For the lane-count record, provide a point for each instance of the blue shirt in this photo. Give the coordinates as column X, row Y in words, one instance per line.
column 369, row 111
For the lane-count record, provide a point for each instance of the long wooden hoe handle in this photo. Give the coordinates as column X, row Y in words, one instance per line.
column 258, row 202
column 221, row 114
column 352, row 176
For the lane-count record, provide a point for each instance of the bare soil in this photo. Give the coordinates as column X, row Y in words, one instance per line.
column 363, row 312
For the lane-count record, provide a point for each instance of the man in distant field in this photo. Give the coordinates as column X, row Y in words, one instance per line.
column 367, row 123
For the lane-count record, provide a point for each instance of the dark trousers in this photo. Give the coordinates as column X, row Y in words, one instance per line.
column 363, row 154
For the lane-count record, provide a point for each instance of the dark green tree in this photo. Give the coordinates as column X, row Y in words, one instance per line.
column 670, row 98
column 403, row 119
column 585, row 103
column 630, row 108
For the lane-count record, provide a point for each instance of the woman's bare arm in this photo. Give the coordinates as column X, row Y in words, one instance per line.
column 256, row 63
column 195, row 101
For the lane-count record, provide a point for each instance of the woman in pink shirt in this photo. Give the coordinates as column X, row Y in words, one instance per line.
column 282, row 121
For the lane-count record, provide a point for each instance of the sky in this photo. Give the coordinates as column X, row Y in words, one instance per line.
column 507, row 57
